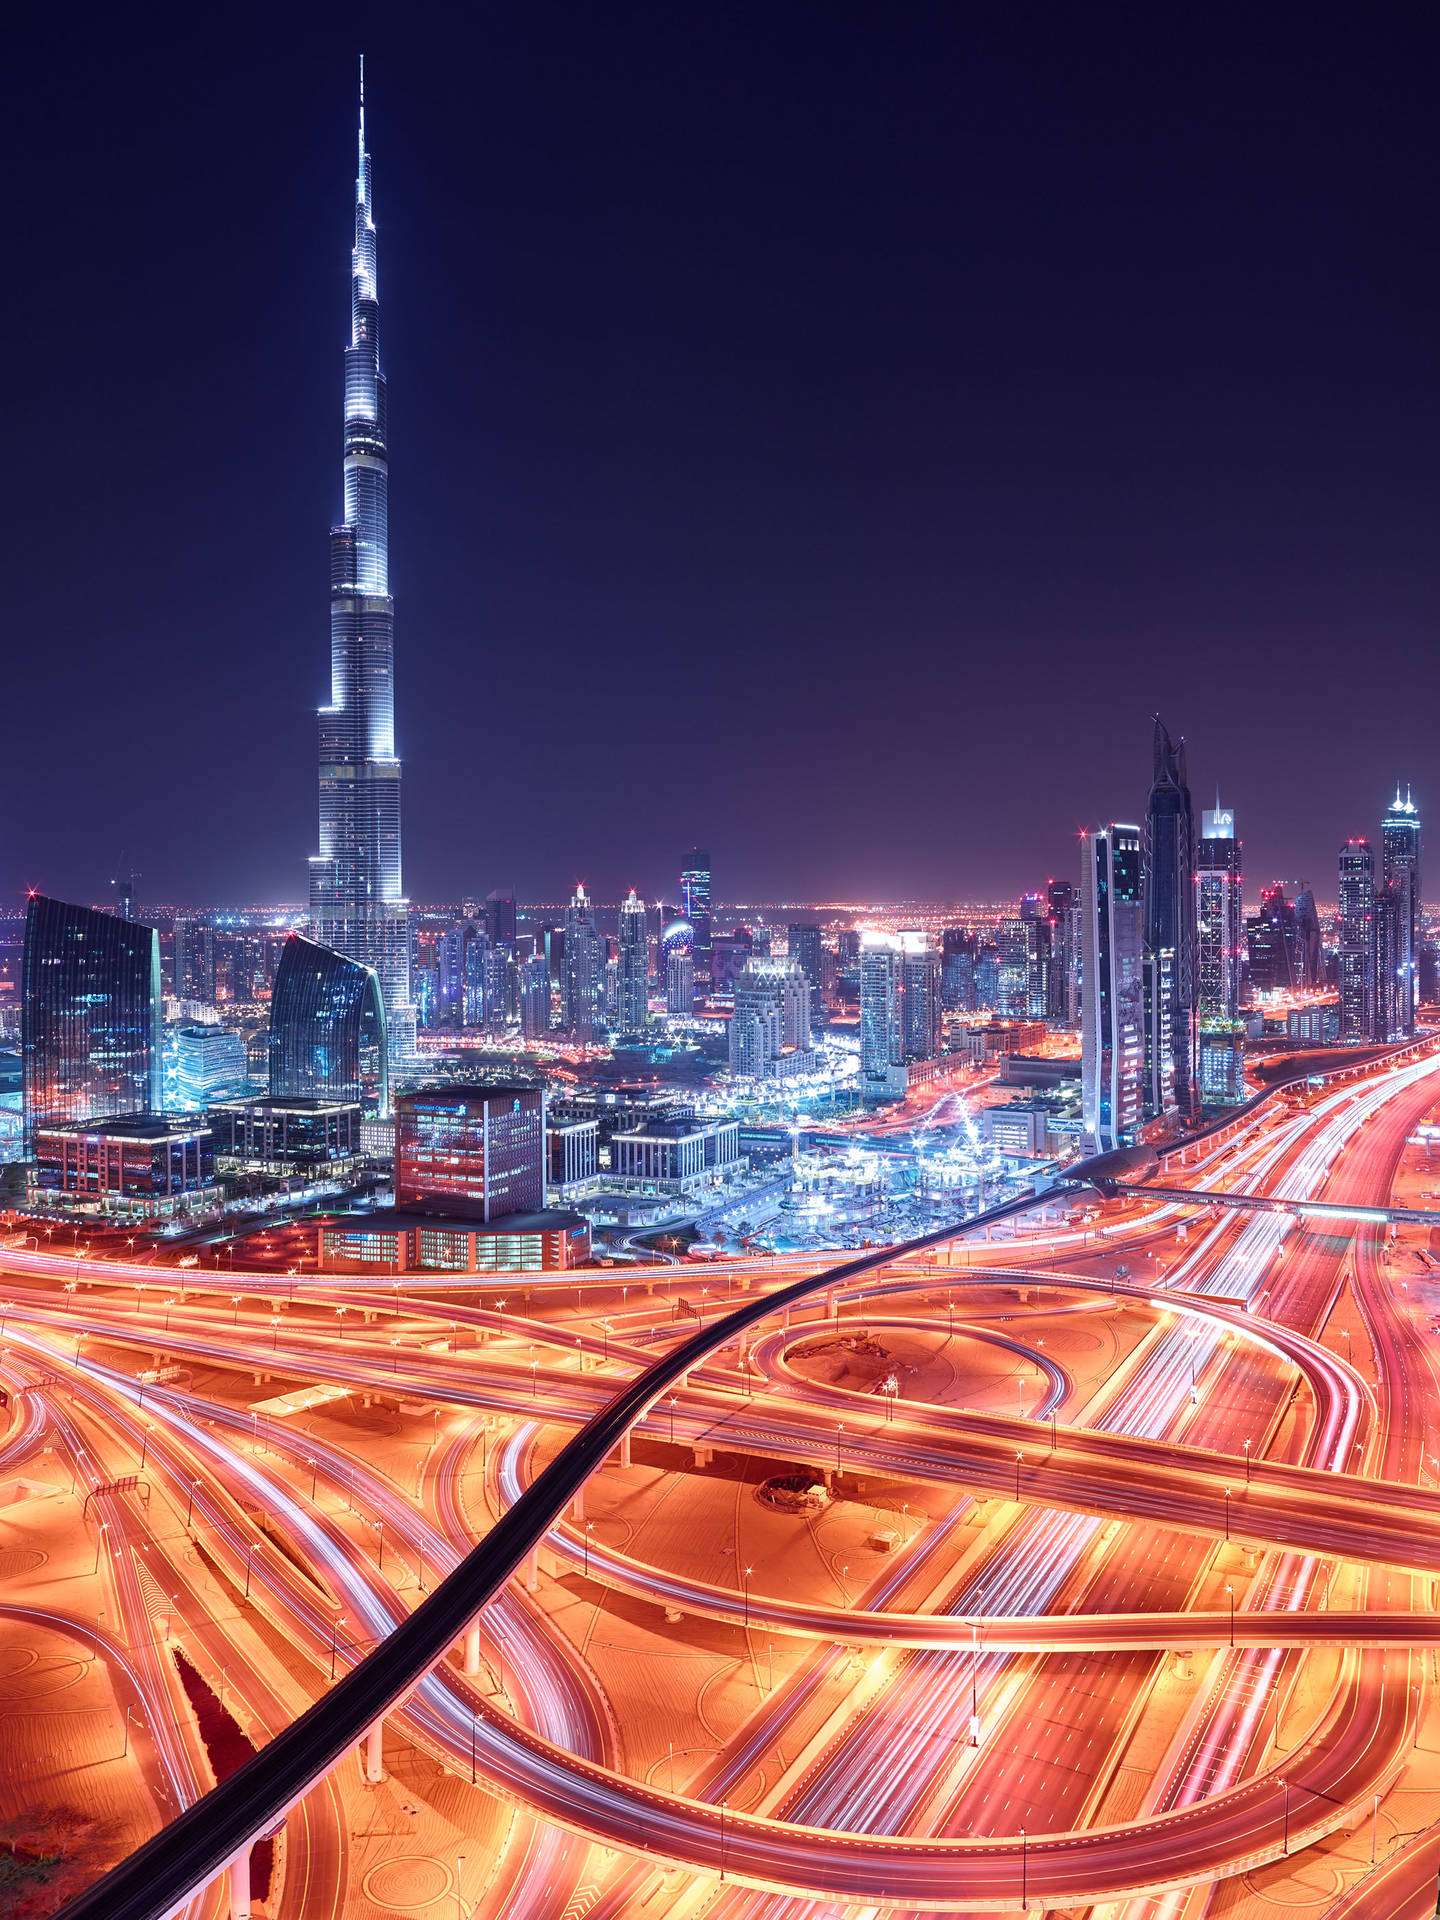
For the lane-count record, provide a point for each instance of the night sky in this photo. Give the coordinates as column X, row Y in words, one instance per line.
column 824, row 433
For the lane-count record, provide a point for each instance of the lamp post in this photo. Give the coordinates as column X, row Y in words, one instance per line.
column 1018, row 1458
column 334, row 1641
column 1024, row 1870
column 100, row 1541
column 190, row 1502
column 1230, row 1592
column 126, row 1748
column 474, row 1728
column 459, row 1897
column 722, row 1839
column 1285, row 1843
column 1227, row 1513
column 249, row 1552
column 1247, row 1463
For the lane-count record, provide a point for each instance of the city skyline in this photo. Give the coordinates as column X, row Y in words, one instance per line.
column 519, row 546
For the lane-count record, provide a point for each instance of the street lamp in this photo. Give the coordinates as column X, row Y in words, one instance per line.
column 1247, row 1463
column 1227, row 1513
column 190, row 1502
column 100, row 1541
column 1018, row 1458
column 334, row 1641
column 1231, row 1593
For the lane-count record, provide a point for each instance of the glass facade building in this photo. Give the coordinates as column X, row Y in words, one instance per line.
column 1170, row 928
column 1112, row 1067
column 472, row 1152
column 1400, row 872
column 357, row 907
column 327, row 1029
column 695, row 897
column 1220, row 918
column 90, row 1016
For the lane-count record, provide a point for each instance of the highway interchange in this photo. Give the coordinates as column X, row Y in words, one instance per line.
column 1113, row 1590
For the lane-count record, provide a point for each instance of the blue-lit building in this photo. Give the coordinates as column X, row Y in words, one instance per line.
column 695, row 893
column 90, row 1016
column 202, row 1064
column 327, row 1029
column 357, row 907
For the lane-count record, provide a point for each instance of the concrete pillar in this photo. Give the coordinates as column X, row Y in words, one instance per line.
column 701, row 1456
column 577, row 1506
column 374, row 1762
column 240, row 1885
column 472, row 1647
column 532, row 1570
column 832, row 1309
column 625, row 1448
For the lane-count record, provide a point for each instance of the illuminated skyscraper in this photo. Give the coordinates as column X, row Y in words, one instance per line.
column 357, row 907
column 695, row 896
column 1169, row 899
column 90, row 1016
column 633, row 955
column 1113, row 1022
column 1357, row 941
column 1400, row 858
column 582, row 978
column 327, row 1029
column 1220, row 916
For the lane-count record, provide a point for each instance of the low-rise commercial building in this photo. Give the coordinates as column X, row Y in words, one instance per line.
column 399, row 1239
column 139, row 1163
column 281, row 1135
column 676, row 1156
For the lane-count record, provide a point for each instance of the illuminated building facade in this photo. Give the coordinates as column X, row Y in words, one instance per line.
column 899, row 1009
column 1113, row 1001
column 695, row 896
column 1357, row 941
column 806, row 952
column 771, row 1019
column 1220, row 916
column 471, row 1152
column 633, row 957
column 142, row 1163
column 1168, row 890
column 357, row 907
column 582, row 974
column 1400, row 871
column 533, row 984
column 327, row 1029
column 90, row 1016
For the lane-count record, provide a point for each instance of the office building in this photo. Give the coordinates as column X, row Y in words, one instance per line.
column 90, row 1016
column 193, row 964
column 695, row 898
column 1270, row 944
column 202, row 1064
column 395, row 1240
column 471, row 1151
column 500, row 917
column 572, row 1152
column 1219, row 916
column 357, row 906
column 582, row 974
column 920, row 986
column 675, row 1156
column 1064, row 924
column 283, row 1136
column 327, row 1029
column 679, row 981
column 1113, row 1006
column 1358, row 1012
column 141, row 1163
column 1400, row 872
column 632, row 985
column 1168, row 891
column 806, row 950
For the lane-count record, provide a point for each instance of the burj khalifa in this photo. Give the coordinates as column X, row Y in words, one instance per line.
column 356, row 903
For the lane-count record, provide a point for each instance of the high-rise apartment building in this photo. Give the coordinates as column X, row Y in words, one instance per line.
column 327, row 1029
column 899, row 1009
column 1357, row 941
column 679, row 981
column 1220, row 916
column 806, row 951
column 1113, row 1011
column 90, row 1016
column 771, row 1020
column 920, row 985
column 194, row 961
column 633, row 966
column 534, row 995
column 1400, row 871
column 357, row 907
column 582, row 978
column 695, row 898
column 1169, row 900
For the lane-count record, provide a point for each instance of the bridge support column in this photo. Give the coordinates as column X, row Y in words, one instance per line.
column 472, row 1647
column 625, row 1448
column 577, row 1505
column 374, row 1750
column 702, row 1456
column 240, row 1885
column 532, row 1570
column 832, row 1303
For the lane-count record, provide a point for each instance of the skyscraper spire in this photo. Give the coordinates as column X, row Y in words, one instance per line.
column 356, row 903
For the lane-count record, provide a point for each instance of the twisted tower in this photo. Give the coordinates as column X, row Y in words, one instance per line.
column 356, row 903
